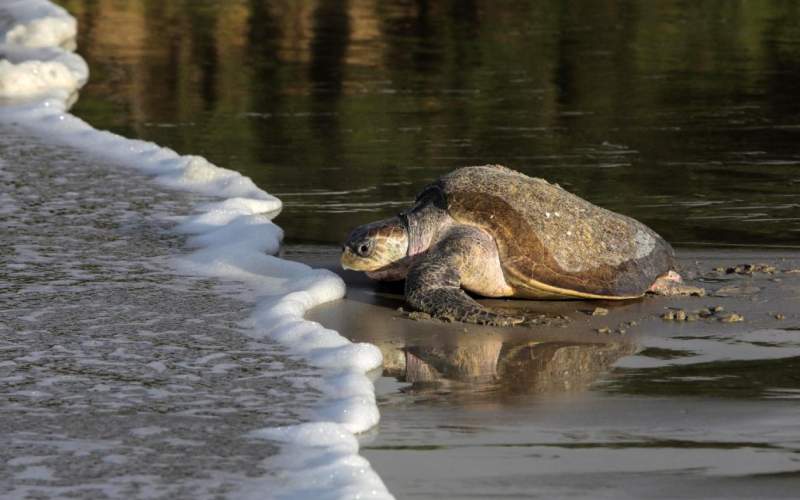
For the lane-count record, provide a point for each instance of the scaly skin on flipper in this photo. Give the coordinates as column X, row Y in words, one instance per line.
column 461, row 259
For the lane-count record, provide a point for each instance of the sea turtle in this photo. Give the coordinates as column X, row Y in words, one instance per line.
column 499, row 233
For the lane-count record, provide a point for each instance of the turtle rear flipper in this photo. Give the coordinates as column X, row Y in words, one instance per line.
column 466, row 256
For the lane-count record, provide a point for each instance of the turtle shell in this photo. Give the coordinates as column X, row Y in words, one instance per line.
column 551, row 242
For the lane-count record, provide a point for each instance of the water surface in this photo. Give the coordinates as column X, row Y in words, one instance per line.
column 685, row 116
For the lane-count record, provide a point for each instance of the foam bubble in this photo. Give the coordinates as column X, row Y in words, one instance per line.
column 39, row 24
column 327, row 465
column 45, row 32
column 35, row 77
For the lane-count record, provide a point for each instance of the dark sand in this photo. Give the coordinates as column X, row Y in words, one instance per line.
column 621, row 405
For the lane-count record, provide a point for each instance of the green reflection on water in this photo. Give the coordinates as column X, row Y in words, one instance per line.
column 684, row 115
column 747, row 379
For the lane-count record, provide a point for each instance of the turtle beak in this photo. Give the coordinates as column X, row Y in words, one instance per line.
column 347, row 259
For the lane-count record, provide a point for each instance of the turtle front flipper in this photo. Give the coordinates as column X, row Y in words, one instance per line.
column 466, row 256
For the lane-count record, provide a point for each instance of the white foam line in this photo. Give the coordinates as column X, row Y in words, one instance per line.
column 234, row 239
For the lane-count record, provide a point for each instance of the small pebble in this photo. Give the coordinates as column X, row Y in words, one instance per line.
column 599, row 311
column 668, row 316
column 622, row 331
column 716, row 309
column 780, row 316
column 692, row 317
column 604, row 330
column 680, row 315
column 732, row 318
column 749, row 269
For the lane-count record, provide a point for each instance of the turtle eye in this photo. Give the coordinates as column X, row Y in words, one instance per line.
column 363, row 249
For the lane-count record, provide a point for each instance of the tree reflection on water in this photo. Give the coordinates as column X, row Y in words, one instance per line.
column 684, row 115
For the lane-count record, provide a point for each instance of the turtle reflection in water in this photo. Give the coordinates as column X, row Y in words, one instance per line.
column 498, row 365
column 498, row 233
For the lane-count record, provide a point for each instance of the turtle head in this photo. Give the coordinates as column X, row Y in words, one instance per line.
column 375, row 245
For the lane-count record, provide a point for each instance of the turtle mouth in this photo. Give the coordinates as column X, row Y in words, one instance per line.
column 352, row 262
column 346, row 265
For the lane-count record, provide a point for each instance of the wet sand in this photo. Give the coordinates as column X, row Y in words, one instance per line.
column 621, row 405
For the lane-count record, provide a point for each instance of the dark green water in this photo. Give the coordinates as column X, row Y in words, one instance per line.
column 685, row 115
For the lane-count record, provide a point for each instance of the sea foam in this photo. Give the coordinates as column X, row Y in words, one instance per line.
column 38, row 24
column 234, row 238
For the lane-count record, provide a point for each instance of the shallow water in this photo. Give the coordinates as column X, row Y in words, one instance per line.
column 683, row 115
column 118, row 377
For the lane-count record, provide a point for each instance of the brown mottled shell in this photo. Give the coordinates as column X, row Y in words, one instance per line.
column 552, row 242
